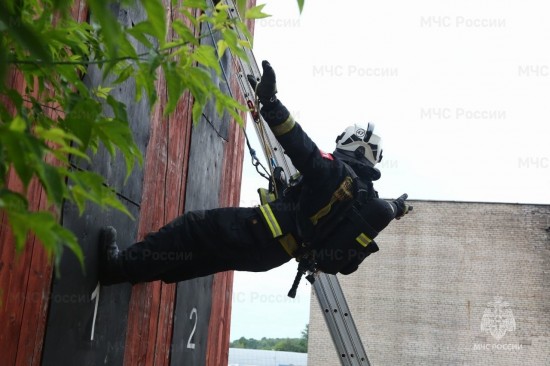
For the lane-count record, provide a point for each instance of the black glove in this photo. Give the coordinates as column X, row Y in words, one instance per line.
column 267, row 87
column 401, row 206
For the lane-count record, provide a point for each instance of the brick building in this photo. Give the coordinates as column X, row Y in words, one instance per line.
column 430, row 295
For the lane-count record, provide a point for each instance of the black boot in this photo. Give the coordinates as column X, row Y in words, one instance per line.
column 110, row 260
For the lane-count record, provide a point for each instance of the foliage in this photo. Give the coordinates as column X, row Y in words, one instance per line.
column 57, row 120
column 276, row 344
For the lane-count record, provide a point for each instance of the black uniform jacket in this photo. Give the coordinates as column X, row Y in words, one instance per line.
column 325, row 179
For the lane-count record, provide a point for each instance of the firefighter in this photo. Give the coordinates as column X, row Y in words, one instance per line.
column 333, row 212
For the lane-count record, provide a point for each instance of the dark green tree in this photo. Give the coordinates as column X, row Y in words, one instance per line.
column 277, row 344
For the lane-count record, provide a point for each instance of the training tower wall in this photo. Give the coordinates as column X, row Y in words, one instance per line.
column 51, row 321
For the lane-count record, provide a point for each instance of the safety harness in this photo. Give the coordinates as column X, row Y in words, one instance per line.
column 346, row 202
column 334, row 236
column 337, row 226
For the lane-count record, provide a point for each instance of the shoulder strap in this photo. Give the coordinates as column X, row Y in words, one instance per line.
column 364, row 191
column 350, row 170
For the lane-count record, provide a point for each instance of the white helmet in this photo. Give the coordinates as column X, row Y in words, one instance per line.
column 362, row 142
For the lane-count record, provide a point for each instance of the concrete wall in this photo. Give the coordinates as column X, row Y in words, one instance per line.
column 422, row 298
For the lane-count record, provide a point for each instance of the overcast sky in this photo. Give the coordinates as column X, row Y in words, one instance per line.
column 459, row 92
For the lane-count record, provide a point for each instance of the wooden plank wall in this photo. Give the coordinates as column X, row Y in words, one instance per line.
column 72, row 313
column 50, row 322
column 217, row 352
column 25, row 278
column 192, row 313
column 152, row 305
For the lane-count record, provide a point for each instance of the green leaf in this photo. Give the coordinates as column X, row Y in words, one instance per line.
column 199, row 83
column 18, row 124
column 184, row 32
column 62, row 140
column 53, row 236
column 90, row 186
column 241, row 7
column 156, row 16
column 301, row 5
column 189, row 16
column 20, row 228
column 125, row 48
column 81, row 118
column 174, row 85
column 70, row 241
column 139, row 32
column 3, row 60
column 56, row 135
column 117, row 133
column 119, row 108
column 16, row 99
column 102, row 92
column 232, row 41
column 12, row 201
column 206, row 55
column 53, row 182
column 17, row 152
column 244, row 29
column 222, row 46
column 145, row 80
column 124, row 74
column 256, row 12
column 197, row 4
column 111, row 29
column 226, row 102
column 62, row 154
column 197, row 111
column 24, row 34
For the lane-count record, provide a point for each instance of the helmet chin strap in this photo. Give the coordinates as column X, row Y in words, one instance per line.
column 361, row 165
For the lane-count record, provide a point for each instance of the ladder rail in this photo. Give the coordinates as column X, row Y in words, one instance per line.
column 272, row 147
column 339, row 320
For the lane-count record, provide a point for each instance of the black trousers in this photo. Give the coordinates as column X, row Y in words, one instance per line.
column 200, row 243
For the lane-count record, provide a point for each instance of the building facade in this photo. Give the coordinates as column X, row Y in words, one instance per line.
column 454, row 283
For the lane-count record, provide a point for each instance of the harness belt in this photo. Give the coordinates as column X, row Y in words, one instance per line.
column 279, row 231
column 287, row 240
column 368, row 232
column 271, row 220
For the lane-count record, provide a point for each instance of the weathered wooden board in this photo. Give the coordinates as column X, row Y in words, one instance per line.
column 191, row 318
column 222, row 286
column 77, row 333
column 114, row 169
column 203, row 186
column 25, row 277
column 151, row 311
column 72, row 308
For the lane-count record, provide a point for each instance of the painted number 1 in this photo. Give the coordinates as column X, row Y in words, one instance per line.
column 189, row 343
column 95, row 296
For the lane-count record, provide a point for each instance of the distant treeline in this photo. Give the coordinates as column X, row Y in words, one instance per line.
column 275, row 344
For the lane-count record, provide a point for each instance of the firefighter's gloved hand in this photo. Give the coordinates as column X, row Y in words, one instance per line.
column 267, row 87
column 401, row 206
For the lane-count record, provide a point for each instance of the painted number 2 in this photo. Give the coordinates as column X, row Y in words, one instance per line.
column 189, row 343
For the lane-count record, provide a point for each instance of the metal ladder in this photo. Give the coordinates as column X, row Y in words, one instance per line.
column 345, row 336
